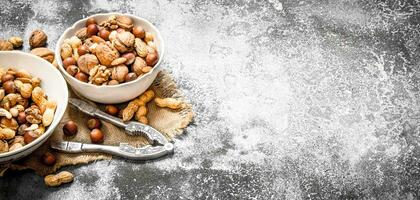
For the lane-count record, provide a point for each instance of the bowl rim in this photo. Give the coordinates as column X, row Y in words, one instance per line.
column 50, row 130
column 121, row 85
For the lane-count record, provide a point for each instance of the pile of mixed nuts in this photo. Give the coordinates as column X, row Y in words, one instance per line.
column 111, row 52
column 24, row 109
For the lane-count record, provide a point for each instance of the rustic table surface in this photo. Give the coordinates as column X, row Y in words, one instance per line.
column 294, row 100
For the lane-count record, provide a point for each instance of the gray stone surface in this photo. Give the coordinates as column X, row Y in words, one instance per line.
column 294, row 100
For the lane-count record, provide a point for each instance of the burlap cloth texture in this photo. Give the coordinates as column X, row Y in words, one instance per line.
column 168, row 122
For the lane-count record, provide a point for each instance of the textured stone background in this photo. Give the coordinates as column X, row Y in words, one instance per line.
column 294, row 100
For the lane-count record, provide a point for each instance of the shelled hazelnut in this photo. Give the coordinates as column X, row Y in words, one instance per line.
column 107, row 52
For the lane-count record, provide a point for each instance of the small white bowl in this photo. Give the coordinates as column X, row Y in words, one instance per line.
column 111, row 94
column 51, row 82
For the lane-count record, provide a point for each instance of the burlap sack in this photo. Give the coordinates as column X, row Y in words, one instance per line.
column 169, row 122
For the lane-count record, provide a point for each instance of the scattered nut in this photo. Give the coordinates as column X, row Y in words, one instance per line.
column 168, row 103
column 5, row 45
column 37, row 39
column 54, row 180
column 93, row 123
column 48, row 159
column 16, row 42
column 44, row 53
column 96, row 136
column 111, row 109
column 70, row 128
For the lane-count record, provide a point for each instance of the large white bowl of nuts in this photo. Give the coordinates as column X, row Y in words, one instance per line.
column 33, row 99
column 110, row 58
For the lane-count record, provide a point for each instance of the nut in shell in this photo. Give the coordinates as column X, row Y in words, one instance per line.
column 124, row 42
column 141, row 47
column 119, row 72
column 5, row 45
column 66, row 51
column 16, row 41
column 106, row 54
column 37, row 39
column 82, row 34
column 44, row 53
column 87, row 62
column 138, row 65
column 124, row 22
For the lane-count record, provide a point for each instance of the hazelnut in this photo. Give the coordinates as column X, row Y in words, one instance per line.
column 7, row 77
column 93, row 123
column 5, row 45
column 48, row 159
column 130, row 57
column 72, row 70
column 82, row 77
column 16, row 41
column 21, row 118
column 96, row 136
column 138, row 32
column 151, row 59
column 111, row 109
column 113, row 82
column 70, row 128
column 148, row 37
column 9, row 87
column 90, row 21
column 119, row 72
column 82, row 50
column 92, row 29
column 69, row 61
column 104, row 34
column 37, row 39
column 29, row 136
column 130, row 77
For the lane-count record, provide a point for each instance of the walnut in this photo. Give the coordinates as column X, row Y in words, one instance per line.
column 106, row 54
column 99, row 75
column 16, row 41
column 110, row 23
column 37, row 39
column 33, row 115
column 87, row 62
column 44, row 53
column 119, row 72
column 124, row 42
column 124, row 22
column 5, row 45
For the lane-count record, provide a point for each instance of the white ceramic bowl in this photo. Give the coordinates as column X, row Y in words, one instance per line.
column 51, row 82
column 111, row 94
